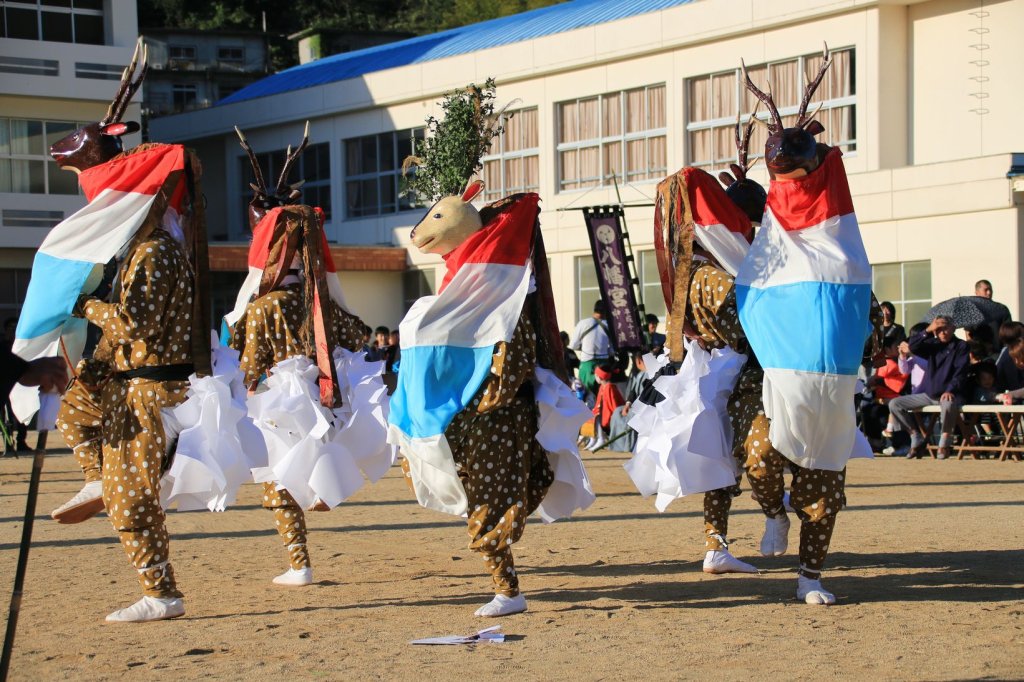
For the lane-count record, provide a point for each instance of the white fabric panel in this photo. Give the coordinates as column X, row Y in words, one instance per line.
column 832, row 251
column 99, row 230
column 729, row 248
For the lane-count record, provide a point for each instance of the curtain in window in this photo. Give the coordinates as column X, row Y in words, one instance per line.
column 636, row 160
column 636, row 114
column 568, row 125
column 723, row 87
column 612, row 160
column 590, row 123
column 700, row 100
column 528, row 125
column 656, row 106
column 758, row 75
column 700, row 147
column 612, row 121
column 531, row 173
column 786, row 86
column 657, row 158
column 589, row 166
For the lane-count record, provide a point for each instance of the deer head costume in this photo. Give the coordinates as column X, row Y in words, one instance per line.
column 99, row 142
column 748, row 194
column 792, row 150
column 293, row 237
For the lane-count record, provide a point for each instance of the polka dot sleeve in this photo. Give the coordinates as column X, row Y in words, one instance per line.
column 144, row 295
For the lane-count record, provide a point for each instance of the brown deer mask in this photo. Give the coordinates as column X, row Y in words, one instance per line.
column 791, row 149
column 99, row 142
column 264, row 198
column 748, row 194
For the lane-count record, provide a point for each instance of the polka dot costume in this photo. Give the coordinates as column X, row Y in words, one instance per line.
column 271, row 334
column 80, row 418
column 148, row 325
column 503, row 468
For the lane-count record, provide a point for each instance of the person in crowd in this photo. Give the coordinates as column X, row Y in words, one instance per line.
column 981, row 390
column 655, row 340
column 1009, row 376
column 21, row 430
column 378, row 351
column 608, row 399
column 943, row 384
column 49, row 374
column 367, row 336
column 572, row 361
column 983, row 288
column 393, row 355
column 591, row 338
column 886, row 384
column 1015, row 351
column 916, row 368
column 620, row 417
column 891, row 330
column 984, row 340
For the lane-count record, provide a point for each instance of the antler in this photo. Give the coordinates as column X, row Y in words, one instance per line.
column 743, row 144
column 802, row 118
column 776, row 126
column 128, row 87
column 261, row 185
column 291, row 158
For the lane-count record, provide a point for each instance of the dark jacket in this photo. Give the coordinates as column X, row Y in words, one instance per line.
column 947, row 364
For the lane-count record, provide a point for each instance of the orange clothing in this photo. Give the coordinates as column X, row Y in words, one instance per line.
column 893, row 380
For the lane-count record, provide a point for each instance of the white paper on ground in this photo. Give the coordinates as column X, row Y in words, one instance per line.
column 490, row 635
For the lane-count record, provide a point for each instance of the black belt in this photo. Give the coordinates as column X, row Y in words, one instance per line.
column 159, row 373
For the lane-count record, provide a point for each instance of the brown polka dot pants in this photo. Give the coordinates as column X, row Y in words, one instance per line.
column 506, row 474
column 133, row 455
column 815, row 494
column 80, row 421
column 290, row 521
column 717, row 504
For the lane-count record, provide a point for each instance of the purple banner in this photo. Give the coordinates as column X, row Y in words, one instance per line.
column 614, row 279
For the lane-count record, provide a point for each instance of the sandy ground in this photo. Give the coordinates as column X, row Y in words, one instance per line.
column 927, row 565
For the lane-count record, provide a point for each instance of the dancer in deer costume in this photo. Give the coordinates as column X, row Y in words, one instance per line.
column 288, row 313
column 804, row 300
column 685, row 441
column 482, row 412
column 144, row 211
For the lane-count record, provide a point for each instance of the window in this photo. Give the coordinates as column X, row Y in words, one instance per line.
column 314, row 166
column 13, row 217
column 514, row 164
column 416, row 284
column 62, row 21
column 907, row 285
column 13, row 286
column 183, row 95
column 231, row 54
column 373, row 175
column 650, row 284
column 618, row 136
column 587, row 288
column 713, row 100
column 183, row 53
column 25, row 165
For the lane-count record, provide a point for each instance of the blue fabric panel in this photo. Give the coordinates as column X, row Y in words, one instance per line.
column 435, row 384
column 807, row 326
column 52, row 291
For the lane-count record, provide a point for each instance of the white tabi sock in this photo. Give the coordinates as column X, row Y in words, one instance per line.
column 502, row 606
column 811, row 592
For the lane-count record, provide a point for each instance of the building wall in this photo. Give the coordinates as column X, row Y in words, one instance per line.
column 923, row 166
column 376, row 297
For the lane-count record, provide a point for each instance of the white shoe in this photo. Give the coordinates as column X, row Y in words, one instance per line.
column 721, row 561
column 147, row 609
column 811, row 592
column 890, row 450
column 295, row 577
column 775, row 540
column 83, row 506
column 597, row 444
column 502, row 606
column 590, row 442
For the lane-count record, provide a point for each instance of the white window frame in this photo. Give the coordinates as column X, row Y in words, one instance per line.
column 901, row 303
column 585, row 306
column 265, row 159
column 721, row 162
column 45, row 157
column 40, row 8
column 395, row 172
column 502, row 155
column 655, row 286
column 601, row 140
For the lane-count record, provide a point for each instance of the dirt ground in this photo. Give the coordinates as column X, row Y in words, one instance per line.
column 927, row 565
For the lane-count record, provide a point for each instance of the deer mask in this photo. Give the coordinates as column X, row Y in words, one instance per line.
column 99, row 142
column 791, row 149
column 744, row 192
column 263, row 198
column 448, row 223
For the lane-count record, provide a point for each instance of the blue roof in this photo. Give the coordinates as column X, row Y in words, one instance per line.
column 502, row 31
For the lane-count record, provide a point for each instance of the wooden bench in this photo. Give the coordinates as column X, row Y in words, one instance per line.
column 1008, row 416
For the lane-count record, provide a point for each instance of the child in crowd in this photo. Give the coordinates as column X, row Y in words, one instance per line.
column 982, row 390
column 887, row 383
column 915, row 367
column 608, row 398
